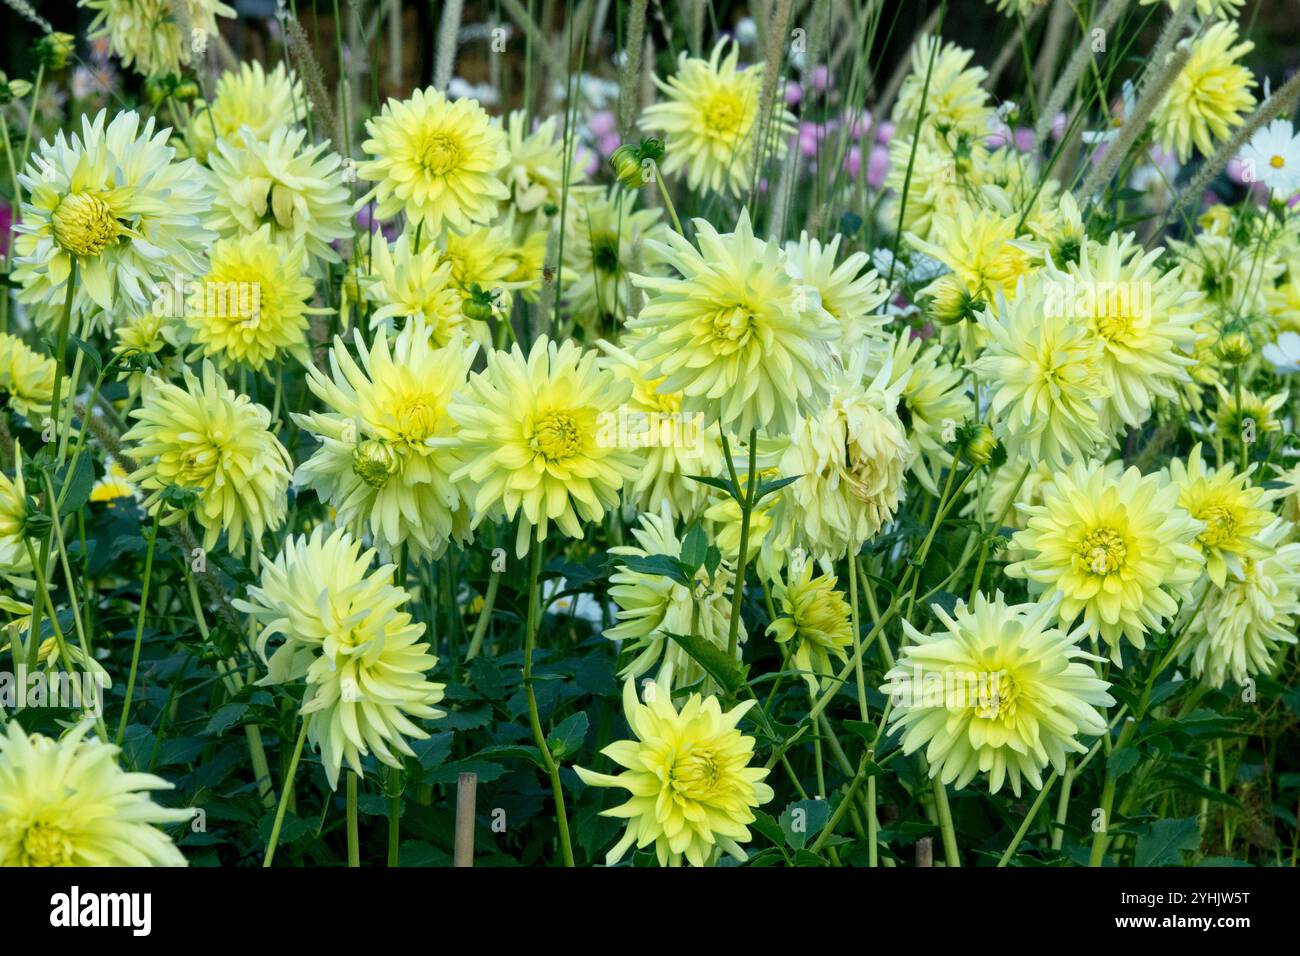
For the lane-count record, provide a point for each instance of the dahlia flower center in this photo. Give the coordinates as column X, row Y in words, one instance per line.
column 84, row 225
column 605, row 255
column 731, row 328
column 417, row 418
column 46, row 845
column 997, row 697
column 695, row 776
column 556, row 436
column 197, row 463
column 1220, row 525
column 724, row 113
column 440, row 155
column 1114, row 324
column 1104, row 550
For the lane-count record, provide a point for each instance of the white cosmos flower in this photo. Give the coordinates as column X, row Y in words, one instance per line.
column 1273, row 155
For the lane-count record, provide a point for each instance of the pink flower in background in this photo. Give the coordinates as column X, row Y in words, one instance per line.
column 793, row 94
column 607, row 144
column 602, row 124
column 1024, row 139
column 885, row 132
column 820, row 78
column 6, row 220
column 1058, row 126
column 853, row 161
column 859, row 126
column 877, row 166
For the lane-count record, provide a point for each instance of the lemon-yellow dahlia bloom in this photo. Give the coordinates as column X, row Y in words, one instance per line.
column 248, row 101
column 26, row 378
column 693, row 791
column 955, row 98
column 406, row 283
column 1233, row 510
column 157, row 37
column 1209, row 97
column 814, row 619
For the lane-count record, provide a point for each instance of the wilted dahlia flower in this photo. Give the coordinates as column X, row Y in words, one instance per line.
column 375, row 465
column 999, row 690
column 851, row 458
column 26, row 378
column 1241, row 623
column 435, row 160
column 743, row 342
column 693, row 790
column 652, row 606
column 113, row 200
column 1233, row 510
column 157, row 37
column 207, row 439
column 537, row 439
column 710, row 118
column 1045, row 371
column 344, row 632
column 67, row 803
column 298, row 193
column 1114, row 546
column 815, row 619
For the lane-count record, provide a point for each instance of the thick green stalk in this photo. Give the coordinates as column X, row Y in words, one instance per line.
column 139, row 631
column 354, row 845
column 285, row 790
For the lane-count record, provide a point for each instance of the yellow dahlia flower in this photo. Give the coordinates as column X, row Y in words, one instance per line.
column 851, row 292
column 112, row 199
column 407, row 284
column 941, row 178
column 1206, row 9
column 248, row 101
column 1233, row 510
column 1114, row 546
column 483, row 256
column 979, row 246
column 672, row 444
column 251, row 307
column 1241, row 622
column 346, row 635
column 1046, row 375
column 113, row 486
column 435, row 160
column 604, row 242
column 851, row 456
column 816, row 618
column 710, row 118
column 1233, row 275
column 999, row 691
column 652, row 606
column 205, row 438
column 276, row 183
column 955, row 101
column 14, row 509
column 157, row 37
column 533, row 433
column 67, row 803
column 693, row 790
column 535, row 173
column 374, row 465
column 1209, row 97
column 26, row 378
column 1248, row 415
column 743, row 342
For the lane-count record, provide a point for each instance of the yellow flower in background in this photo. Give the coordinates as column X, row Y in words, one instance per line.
column 247, row 100
column 1233, row 511
column 435, row 160
column 1236, row 630
column 604, row 242
column 1144, row 319
column 1206, row 9
column 206, row 438
column 852, row 457
column 671, row 444
column 710, row 118
column 345, row 633
column 375, row 465
column 744, row 343
column 407, row 284
column 155, row 36
column 15, row 505
column 688, row 771
column 978, row 245
column 537, row 437
column 67, row 802
column 113, row 487
column 653, row 606
column 252, row 306
column 296, row 192
column 483, row 256
column 113, row 200
column 535, row 174
column 1209, row 97
column 999, row 690
column 955, row 100
column 26, row 378
column 851, row 292
column 1248, row 416
column 814, row 617
column 1111, row 545
column 941, row 179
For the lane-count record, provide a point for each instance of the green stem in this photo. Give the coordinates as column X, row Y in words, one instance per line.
column 354, row 845
column 485, row 615
column 1029, row 818
column 539, row 737
column 945, row 823
column 746, row 510
column 668, row 200
column 139, row 632
column 285, row 790
column 394, row 816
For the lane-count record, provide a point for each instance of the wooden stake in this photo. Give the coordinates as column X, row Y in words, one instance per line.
column 466, row 788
